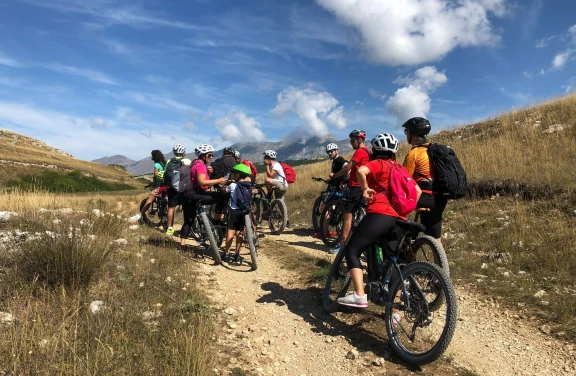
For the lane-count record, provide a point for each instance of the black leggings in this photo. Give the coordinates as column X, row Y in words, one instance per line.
column 432, row 219
column 190, row 206
column 370, row 229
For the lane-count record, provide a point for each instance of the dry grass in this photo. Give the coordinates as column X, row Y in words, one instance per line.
column 154, row 320
column 507, row 156
column 26, row 150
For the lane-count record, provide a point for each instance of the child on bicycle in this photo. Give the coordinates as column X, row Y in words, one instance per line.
column 241, row 194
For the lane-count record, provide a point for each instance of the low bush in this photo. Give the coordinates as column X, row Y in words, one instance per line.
column 72, row 182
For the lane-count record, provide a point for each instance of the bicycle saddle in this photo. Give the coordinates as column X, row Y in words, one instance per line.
column 411, row 226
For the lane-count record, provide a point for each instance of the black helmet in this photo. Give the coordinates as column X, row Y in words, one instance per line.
column 357, row 133
column 417, row 125
column 228, row 151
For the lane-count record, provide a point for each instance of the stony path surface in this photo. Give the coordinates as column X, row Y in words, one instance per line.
column 273, row 324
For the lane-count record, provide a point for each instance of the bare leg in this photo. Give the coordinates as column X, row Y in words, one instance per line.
column 229, row 239
column 239, row 241
column 171, row 216
column 346, row 226
column 149, row 202
column 357, row 280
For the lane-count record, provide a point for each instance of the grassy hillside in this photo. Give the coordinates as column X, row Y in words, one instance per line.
column 514, row 239
column 22, row 155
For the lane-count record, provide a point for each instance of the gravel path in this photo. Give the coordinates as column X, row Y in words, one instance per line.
column 273, row 324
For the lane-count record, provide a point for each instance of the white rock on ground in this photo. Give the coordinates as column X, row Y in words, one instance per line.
column 121, row 241
column 65, row 211
column 540, row 294
column 96, row 306
column 7, row 319
column 134, row 218
column 6, row 216
column 96, row 212
column 134, row 227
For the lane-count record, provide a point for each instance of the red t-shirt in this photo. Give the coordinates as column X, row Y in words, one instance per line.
column 361, row 157
column 378, row 181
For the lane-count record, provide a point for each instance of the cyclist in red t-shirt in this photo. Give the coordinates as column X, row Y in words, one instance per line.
column 380, row 216
column 360, row 157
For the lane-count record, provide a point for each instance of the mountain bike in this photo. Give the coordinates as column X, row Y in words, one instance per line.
column 250, row 236
column 332, row 218
column 157, row 213
column 326, row 195
column 265, row 207
column 419, row 299
column 206, row 234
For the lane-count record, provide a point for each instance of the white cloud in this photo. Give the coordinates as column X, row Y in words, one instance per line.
column 86, row 73
column 336, row 117
column 412, row 32
column 5, row 60
column 527, row 74
column 313, row 107
column 560, row 59
column 237, row 127
column 376, row 94
column 413, row 99
column 98, row 123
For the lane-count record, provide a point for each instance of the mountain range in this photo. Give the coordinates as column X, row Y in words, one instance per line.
column 312, row 148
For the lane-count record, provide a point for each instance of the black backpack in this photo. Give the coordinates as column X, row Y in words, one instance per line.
column 449, row 175
column 181, row 182
column 172, row 165
column 243, row 195
column 222, row 166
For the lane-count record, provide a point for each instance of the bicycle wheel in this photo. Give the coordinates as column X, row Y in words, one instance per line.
column 426, row 248
column 251, row 240
column 212, row 236
column 316, row 214
column 331, row 223
column 256, row 207
column 151, row 217
column 418, row 335
column 337, row 283
column 278, row 216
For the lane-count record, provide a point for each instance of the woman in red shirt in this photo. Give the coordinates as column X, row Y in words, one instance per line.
column 380, row 216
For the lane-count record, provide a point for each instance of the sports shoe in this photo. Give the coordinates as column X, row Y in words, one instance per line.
column 353, row 300
column 335, row 250
column 395, row 320
column 170, row 231
column 226, row 258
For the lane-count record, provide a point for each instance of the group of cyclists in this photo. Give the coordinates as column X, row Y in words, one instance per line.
column 227, row 174
column 368, row 174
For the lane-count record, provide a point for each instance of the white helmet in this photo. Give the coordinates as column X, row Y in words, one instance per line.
column 179, row 149
column 236, row 154
column 270, row 154
column 385, row 142
column 331, row 147
column 203, row 149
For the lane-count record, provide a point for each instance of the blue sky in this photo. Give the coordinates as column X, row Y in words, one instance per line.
column 103, row 77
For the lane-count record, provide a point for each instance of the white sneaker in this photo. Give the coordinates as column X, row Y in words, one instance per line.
column 353, row 300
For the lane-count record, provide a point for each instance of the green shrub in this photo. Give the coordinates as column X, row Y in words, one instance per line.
column 72, row 182
column 68, row 256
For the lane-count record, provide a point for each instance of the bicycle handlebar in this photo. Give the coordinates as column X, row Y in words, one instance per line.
column 320, row 179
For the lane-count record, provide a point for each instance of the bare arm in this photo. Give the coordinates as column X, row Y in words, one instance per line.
column 201, row 178
column 362, row 174
column 269, row 172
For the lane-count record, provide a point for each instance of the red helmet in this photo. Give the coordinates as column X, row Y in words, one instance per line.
column 357, row 133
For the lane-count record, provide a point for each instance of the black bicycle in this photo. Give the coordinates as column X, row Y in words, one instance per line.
column 206, row 234
column 329, row 193
column 157, row 213
column 418, row 296
column 273, row 209
column 332, row 218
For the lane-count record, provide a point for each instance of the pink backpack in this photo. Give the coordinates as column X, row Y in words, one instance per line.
column 402, row 193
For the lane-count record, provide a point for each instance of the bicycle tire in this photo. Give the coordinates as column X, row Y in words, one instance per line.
column 212, row 235
column 151, row 219
column 316, row 214
column 256, row 207
column 338, row 274
column 439, row 255
column 251, row 240
column 277, row 216
column 419, row 319
column 333, row 211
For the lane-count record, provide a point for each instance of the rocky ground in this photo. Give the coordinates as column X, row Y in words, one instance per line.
column 272, row 323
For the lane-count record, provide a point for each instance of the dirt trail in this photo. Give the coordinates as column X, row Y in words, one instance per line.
column 275, row 325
